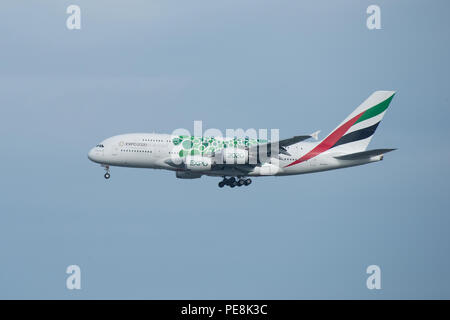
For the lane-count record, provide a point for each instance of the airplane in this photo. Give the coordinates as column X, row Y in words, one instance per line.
column 236, row 160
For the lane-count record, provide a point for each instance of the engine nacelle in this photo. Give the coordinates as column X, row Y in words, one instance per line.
column 197, row 163
column 235, row 156
column 187, row 175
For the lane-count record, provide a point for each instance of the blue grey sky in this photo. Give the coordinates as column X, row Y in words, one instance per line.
column 144, row 66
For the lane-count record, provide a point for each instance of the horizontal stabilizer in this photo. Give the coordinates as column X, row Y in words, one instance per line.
column 364, row 154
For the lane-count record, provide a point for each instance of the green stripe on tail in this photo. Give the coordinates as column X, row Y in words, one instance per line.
column 375, row 110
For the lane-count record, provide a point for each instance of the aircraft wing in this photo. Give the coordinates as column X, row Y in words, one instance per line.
column 282, row 144
column 254, row 149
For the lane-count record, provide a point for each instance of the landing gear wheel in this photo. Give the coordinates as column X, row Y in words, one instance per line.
column 221, row 184
column 107, row 175
column 248, row 181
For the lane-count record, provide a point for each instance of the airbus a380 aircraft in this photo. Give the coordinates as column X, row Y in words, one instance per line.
column 240, row 158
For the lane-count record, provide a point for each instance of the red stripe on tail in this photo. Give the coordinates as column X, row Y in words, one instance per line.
column 328, row 142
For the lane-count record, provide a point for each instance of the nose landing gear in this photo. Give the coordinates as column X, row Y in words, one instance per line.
column 107, row 175
column 232, row 182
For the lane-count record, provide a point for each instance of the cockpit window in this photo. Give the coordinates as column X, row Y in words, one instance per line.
column 100, row 146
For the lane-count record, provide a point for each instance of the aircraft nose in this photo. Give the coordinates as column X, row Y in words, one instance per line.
column 93, row 155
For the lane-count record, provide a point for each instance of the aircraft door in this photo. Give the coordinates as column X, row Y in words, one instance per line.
column 115, row 149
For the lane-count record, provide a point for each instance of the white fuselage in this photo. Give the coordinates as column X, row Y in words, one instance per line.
column 151, row 150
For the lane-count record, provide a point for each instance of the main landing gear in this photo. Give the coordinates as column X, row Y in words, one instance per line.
column 107, row 175
column 233, row 182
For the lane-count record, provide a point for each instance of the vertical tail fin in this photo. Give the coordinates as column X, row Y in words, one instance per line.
column 356, row 131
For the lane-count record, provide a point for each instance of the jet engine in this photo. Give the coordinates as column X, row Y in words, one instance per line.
column 197, row 163
column 240, row 156
column 235, row 156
